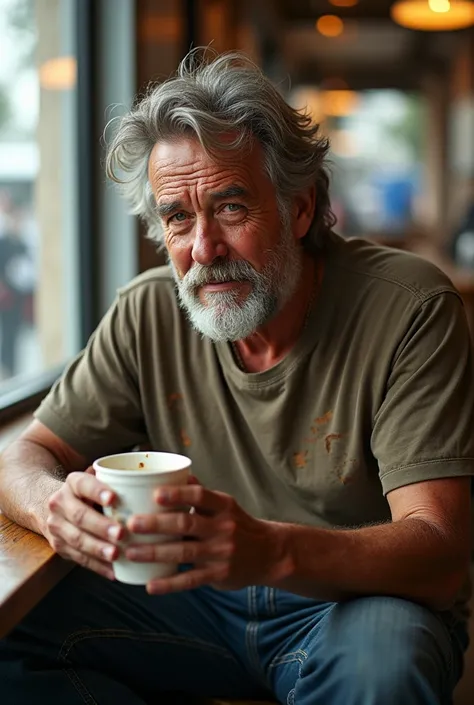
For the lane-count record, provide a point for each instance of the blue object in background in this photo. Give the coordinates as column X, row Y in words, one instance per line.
column 396, row 193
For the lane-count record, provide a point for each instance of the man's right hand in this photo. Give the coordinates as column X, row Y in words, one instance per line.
column 76, row 530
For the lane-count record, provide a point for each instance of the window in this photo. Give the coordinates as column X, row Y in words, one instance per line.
column 39, row 272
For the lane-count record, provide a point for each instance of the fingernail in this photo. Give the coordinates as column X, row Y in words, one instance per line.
column 108, row 552
column 114, row 532
column 163, row 497
column 105, row 496
column 138, row 525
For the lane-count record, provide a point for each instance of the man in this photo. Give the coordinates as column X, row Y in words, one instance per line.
column 17, row 283
column 323, row 389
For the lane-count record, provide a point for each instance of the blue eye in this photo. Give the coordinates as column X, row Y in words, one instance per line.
column 178, row 217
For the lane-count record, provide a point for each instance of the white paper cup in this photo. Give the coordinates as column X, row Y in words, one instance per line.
column 134, row 477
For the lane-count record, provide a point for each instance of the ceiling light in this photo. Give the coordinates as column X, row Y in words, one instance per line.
column 339, row 103
column 330, row 26
column 433, row 15
column 440, row 5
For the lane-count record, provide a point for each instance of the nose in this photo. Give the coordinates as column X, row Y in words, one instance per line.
column 208, row 243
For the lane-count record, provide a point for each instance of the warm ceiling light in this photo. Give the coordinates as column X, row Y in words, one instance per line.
column 344, row 3
column 330, row 26
column 440, row 5
column 337, row 103
column 58, row 74
column 433, row 15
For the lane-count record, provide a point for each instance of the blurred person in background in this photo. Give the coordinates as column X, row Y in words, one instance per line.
column 323, row 389
column 17, row 281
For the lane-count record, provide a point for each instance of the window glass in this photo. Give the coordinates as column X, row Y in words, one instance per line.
column 39, row 318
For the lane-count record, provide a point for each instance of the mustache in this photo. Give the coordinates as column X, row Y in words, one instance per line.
column 219, row 272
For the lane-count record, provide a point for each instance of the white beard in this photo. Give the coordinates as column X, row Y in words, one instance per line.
column 223, row 317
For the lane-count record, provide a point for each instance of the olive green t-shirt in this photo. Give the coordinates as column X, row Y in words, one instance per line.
column 377, row 393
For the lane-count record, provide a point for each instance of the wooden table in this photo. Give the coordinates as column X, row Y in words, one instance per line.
column 29, row 568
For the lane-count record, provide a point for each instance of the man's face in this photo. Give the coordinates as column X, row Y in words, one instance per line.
column 235, row 259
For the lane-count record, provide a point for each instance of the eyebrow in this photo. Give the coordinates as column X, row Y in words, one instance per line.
column 229, row 192
column 165, row 209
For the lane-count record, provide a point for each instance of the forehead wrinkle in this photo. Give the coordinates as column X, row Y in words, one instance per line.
column 178, row 179
column 174, row 167
column 193, row 173
column 172, row 193
column 180, row 158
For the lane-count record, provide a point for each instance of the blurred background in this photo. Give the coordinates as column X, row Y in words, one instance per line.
column 391, row 83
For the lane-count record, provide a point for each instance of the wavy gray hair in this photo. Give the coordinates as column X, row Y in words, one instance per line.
column 210, row 99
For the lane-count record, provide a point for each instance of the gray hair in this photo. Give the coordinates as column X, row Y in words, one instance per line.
column 211, row 99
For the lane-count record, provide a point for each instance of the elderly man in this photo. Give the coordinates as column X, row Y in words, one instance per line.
column 323, row 389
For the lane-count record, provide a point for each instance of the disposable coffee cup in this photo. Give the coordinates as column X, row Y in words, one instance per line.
column 134, row 477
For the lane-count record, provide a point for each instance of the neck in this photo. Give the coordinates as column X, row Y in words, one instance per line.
column 273, row 341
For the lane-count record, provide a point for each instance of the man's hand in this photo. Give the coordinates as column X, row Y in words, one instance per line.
column 228, row 548
column 79, row 532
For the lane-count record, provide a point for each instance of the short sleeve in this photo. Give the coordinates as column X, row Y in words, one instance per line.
column 95, row 406
column 424, row 428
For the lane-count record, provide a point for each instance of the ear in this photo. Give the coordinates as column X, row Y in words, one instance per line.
column 304, row 205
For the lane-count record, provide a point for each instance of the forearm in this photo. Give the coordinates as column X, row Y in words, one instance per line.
column 29, row 475
column 411, row 558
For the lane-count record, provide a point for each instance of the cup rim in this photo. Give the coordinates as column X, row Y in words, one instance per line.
column 129, row 473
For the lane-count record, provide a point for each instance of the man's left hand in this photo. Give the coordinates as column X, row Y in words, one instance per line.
column 227, row 547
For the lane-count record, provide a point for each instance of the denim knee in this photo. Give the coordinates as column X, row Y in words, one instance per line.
column 378, row 650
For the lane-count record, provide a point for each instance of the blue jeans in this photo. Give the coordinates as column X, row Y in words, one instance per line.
column 101, row 643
